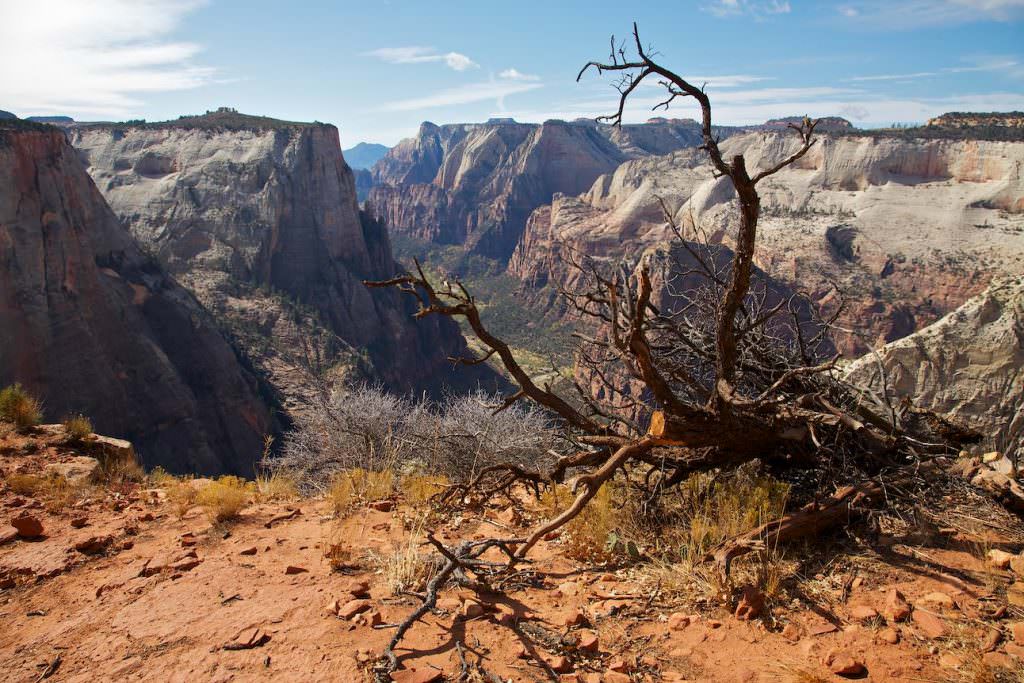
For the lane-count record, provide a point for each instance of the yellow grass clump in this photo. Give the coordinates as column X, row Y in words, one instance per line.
column 224, row 498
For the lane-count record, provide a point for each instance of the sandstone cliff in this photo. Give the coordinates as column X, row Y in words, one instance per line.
column 259, row 218
column 968, row 365
column 476, row 184
column 92, row 325
column 908, row 229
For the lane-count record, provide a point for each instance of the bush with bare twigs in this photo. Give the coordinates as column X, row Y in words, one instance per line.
column 364, row 429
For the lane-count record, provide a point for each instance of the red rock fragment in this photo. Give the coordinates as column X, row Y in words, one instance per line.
column 27, row 526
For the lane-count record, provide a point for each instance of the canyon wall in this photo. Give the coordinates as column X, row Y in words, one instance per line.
column 476, row 184
column 260, row 219
column 900, row 231
column 91, row 324
column 969, row 365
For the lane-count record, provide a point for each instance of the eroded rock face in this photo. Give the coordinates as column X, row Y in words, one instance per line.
column 968, row 365
column 92, row 325
column 908, row 229
column 261, row 221
column 476, row 184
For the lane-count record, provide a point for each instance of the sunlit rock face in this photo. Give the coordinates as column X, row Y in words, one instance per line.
column 260, row 219
column 898, row 232
column 476, row 184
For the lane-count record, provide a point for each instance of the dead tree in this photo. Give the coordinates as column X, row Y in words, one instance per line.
column 725, row 374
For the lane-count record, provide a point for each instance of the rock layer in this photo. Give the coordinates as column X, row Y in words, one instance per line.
column 260, row 219
column 91, row 324
column 969, row 365
column 476, row 184
column 907, row 229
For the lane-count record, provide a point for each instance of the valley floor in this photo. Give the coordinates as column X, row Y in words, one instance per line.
column 118, row 587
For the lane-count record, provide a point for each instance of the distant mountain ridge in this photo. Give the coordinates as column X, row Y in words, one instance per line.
column 364, row 155
column 476, row 184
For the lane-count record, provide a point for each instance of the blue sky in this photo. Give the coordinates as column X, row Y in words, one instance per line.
column 378, row 69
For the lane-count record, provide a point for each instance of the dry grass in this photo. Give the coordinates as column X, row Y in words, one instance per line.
column 702, row 513
column 181, row 495
column 77, row 427
column 19, row 407
column 276, row 485
column 602, row 529
column 119, row 472
column 224, row 498
column 56, row 492
column 419, row 489
column 407, row 568
column 161, row 478
column 358, row 485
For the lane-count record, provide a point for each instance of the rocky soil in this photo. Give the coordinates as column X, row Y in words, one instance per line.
column 117, row 587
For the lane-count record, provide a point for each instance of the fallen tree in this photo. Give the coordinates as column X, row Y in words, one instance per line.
column 715, row 369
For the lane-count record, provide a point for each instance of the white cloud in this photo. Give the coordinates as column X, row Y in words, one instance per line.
column 756, row 8
column 465, row 94
column 96, row 58
column 516, row 75
column 904, row 14
column 1006, row 65
column 422, row 55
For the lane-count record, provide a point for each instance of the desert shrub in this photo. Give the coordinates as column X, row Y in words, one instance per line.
column 117, row 471
column 276, row 485
column 161, row 478
column 712, row 509
column 77, row 427
column 224, row 498
column 181, row 495
column 365, row 428
column 25, row 484
column 19, row 407
column 605, row 530
column 56, row 492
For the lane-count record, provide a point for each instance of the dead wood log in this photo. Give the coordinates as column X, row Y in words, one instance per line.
column 812, row 519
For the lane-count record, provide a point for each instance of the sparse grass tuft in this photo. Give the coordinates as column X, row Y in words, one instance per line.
column 276, row 485
column 56, row 492
column 77, row 427
column 25, row 484
column 406, row 568
column 161, row 478
column 120, row 472
column 19, row 407
column 419, row 489
column 224, row 498
column 359, row 485
column 598, row 533
column 182, row 495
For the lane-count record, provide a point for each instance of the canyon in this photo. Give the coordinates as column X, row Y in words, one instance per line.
column 900, row 231
column 475, row 185
column 92, row 325
column 259, row 219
